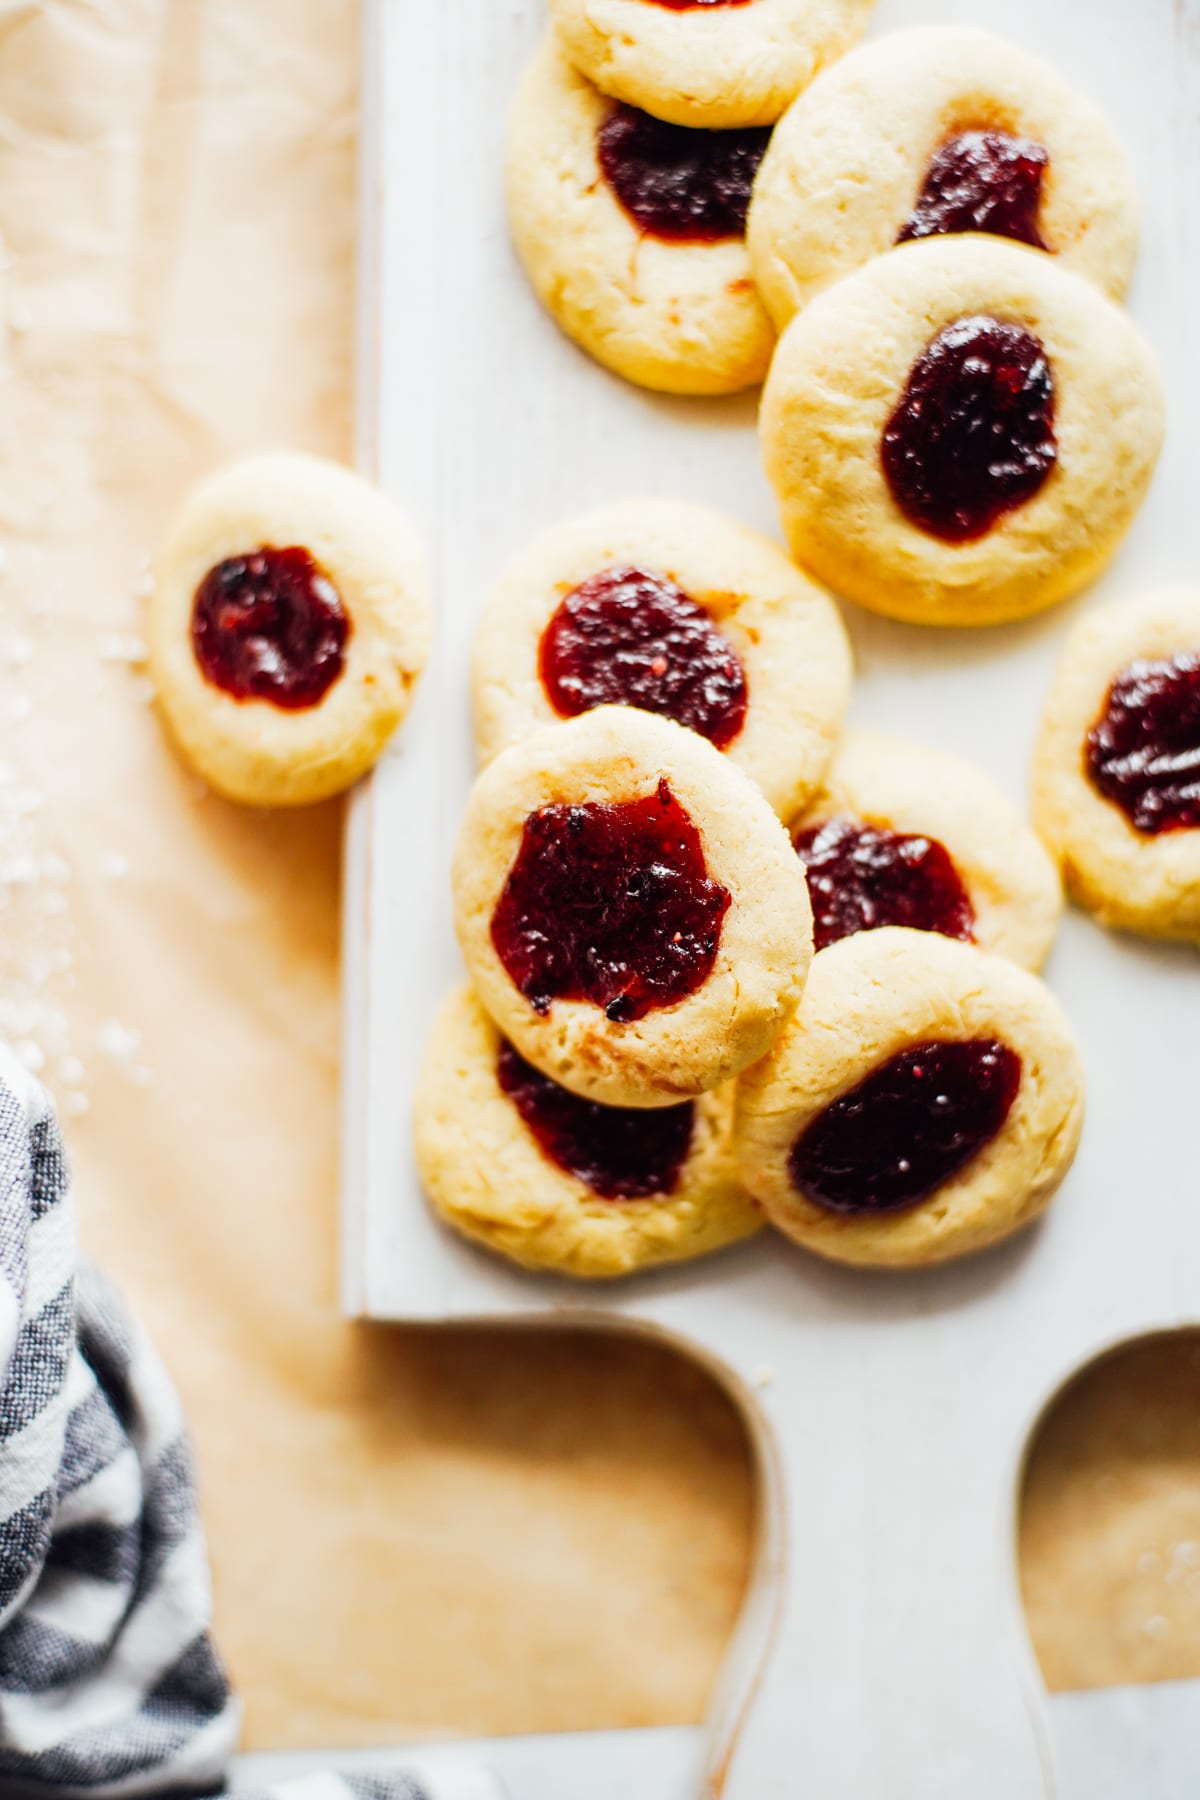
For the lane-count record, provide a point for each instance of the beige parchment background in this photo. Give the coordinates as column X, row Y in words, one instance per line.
column 411, row 1533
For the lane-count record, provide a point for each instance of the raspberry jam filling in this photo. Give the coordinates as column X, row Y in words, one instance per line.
column 982, row 181
column 913, row 1123
column 628, row 637
column 270, row 625
column 1143, row 752
column 610, row 902
column 678, row 183
column 862, row 876
column 696, row 5
column 620, row 1152
column 972, row 437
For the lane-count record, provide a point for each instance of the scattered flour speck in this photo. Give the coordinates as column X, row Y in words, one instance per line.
column 123, row 647
column 120, row 1043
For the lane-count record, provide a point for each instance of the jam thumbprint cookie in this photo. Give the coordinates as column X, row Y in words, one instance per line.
column 1116, row 792
column 288, row 625
column 926, row 1101
column 678, row 611
column 932, row 132
column 514, row 1161
column 630, row 909
column 961, row 432
column 714, row 63
column 904, row 835
column 633, row 233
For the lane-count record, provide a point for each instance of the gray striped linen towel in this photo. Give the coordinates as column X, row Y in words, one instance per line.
column 109, row 1682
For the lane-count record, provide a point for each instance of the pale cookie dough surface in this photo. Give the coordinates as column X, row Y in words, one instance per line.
column 486, row 1175
column 1128, row 878
column 713, row 66
column 869, row 998
column 682, row 317
column 840, row 371
column 786, row 632
column 253, row 750
column 846, row 166
column 617, row 754
column 1010, row 880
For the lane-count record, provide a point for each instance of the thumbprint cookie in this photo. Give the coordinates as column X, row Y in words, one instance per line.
column 905, row 835
column 930, row 132
column 288, row 624
column 521, row 1165
column 714, row 63
column 679, row 611
column 633, row 233
column 630, row 909
column 1116, row 791
column 960, row 432
column 925, row 1101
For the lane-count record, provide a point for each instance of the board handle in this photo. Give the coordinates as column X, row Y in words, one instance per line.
column 882, row 1655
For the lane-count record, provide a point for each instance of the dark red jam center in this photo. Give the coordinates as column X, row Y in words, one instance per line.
column 863, row 876
column 627, row 637
column 1143, row 752
column 676, row 182
column 982, row 181
column 689, row 5
column 270, row 625
column 912, row 1124
column 973, row 434
column 610, row 902
column 621, row 1152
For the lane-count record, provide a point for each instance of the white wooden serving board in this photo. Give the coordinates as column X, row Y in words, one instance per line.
column 882, row 1655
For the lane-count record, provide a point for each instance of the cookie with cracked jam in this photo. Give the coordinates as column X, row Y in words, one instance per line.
column 679, row 611
column 632, row 232
column 925, row 1102
column 1116, row 788
column 288, row 625
column 960, row 432
column 711, row 63
column 901, row 834
column 553, row 1181
column 630, row 909
column 934, row 132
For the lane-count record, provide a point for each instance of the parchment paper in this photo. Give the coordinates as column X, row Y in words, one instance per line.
column 411, row 1533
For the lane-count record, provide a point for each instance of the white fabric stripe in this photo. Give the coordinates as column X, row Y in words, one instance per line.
column 29, row 1462
column 311, row 1787
column 455, row 1779
column 111, row 1497
column 10, row 1319
column 160, row 1418
column 78, row 1605
column 165, row 1623
column 51, row 1255
column 27, row 1091
column 201, row 1765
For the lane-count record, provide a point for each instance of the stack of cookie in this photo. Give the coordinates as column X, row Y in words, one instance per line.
column 635, row 139
column 959, row 420
column 727, row 961
column 668, row 822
